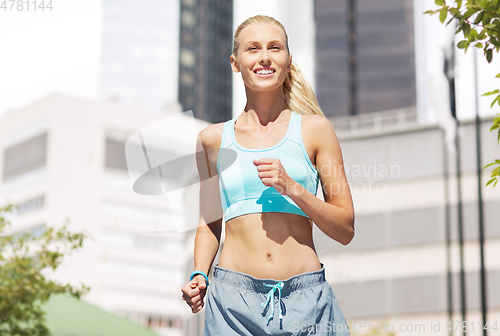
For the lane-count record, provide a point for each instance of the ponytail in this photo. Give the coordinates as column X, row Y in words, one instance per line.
column 298, row 93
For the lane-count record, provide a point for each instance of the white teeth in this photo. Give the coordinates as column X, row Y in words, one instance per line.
column 264, row 72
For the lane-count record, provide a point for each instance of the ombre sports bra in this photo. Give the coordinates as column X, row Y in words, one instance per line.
column 242, row 191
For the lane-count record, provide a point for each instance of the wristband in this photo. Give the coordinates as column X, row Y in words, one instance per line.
column 198, row 272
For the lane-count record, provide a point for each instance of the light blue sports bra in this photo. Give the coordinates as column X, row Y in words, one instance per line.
column 242, row 191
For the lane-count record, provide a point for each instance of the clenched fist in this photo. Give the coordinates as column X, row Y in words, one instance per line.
column 193, row 293
column 273, row 174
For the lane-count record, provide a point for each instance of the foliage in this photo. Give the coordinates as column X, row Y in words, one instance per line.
column 24, row 258
column 495, row 174
column 479, row 21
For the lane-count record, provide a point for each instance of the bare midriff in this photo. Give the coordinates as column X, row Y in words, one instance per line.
column 269, row 245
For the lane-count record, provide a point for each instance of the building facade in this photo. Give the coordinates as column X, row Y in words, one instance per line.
column 140, row 52
column 383, row 57
column 65, row 157
column 395, row 269
column 205, row 45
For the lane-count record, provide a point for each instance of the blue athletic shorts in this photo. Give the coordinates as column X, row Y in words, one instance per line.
column 239, row 304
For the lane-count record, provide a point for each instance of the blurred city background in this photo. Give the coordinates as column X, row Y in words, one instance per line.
column 76, row 82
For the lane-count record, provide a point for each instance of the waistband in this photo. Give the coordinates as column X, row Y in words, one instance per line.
column 248, row 281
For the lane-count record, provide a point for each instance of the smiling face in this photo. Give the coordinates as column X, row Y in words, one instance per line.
column 262, row 58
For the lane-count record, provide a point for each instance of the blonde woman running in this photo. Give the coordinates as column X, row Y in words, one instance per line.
column 269, row 280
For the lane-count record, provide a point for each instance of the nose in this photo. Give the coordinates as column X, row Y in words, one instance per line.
column 265, row 59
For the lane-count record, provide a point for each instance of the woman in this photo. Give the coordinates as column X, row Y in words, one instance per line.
column 271, row 159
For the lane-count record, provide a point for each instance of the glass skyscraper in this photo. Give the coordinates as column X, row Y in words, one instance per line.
column 384, row 58
column 205, row 76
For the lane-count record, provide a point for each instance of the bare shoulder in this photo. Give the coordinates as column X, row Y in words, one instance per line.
column 211, row 136
column 318, row 128
column 316, row 122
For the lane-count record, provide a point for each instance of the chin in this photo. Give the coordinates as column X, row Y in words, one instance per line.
column 265, row 86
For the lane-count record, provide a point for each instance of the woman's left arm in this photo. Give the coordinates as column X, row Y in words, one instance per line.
column 335, row 215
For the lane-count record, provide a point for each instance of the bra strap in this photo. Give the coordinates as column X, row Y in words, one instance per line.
column 226, row 135
column 295, row 132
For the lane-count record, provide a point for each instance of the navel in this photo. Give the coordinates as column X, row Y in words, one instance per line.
column 269, row 257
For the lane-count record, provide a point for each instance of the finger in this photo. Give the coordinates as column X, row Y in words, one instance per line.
column 266, row 161
column 194, row 292
column 268, row 181
column 266, row 167
column 197, row 304
column 263, row 167
column 196, row 299
column 264, row 174
column 191, row 299
column 198, row 308
column 191, row 293
column 202, row 284
column 187, row 299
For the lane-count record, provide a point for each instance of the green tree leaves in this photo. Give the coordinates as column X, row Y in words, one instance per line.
column 479, row 20
column 476, row 28
column 24, row 262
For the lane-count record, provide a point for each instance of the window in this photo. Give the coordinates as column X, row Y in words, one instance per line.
column 115, row 155
column 25, row 157
column 140, row 241
column 29, row 206
column 141, row 270
column 37, row 231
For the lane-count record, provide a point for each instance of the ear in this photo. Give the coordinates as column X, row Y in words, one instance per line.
column 234, row 64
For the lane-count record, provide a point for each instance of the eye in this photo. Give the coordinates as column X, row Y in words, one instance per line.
column 251, row 48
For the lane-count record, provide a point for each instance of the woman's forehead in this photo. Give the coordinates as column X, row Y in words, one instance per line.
column 263, row 32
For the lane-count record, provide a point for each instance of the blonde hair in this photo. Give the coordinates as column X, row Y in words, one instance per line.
column 297, row 92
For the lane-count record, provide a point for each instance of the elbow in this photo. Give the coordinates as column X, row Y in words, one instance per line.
column 349, row 233
column 348, row 238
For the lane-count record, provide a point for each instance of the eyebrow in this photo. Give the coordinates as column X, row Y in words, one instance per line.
column 270, row 42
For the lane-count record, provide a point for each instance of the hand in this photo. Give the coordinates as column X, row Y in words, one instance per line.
column 272, row 174
column 193, row 293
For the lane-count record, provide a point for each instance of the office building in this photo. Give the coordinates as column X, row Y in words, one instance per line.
column 383, row 59
column 205, row 44
column 140, row 52
column 64, row 157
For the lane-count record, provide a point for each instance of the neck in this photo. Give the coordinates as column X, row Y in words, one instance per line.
column 264, row 107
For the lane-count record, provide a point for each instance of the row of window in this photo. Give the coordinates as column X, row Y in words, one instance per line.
column 417, row 154
column 28, row 206
column 154, row 321
column 156, row 219
column 413, row 227
column 392, row 157
column 25, row 157
column 37, row 231
column 382, row 44
column 146, row 242
column 413, row 295
column 136, row 270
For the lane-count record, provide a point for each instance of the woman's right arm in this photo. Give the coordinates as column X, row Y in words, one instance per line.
column 209, row 229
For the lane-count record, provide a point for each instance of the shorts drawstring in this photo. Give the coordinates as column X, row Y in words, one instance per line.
column 278, row 286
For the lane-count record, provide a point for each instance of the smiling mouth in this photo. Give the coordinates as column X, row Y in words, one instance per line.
column 265, row 73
